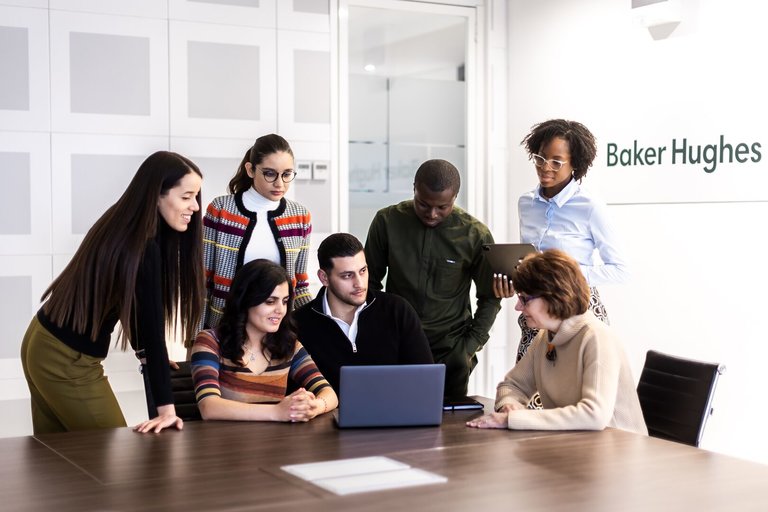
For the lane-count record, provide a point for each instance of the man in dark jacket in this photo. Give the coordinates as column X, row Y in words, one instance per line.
column 431, row 252
column 347, row 324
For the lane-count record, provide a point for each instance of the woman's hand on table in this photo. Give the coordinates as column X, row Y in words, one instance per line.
column 492, row 420
column 166, row 417
column 299, row 406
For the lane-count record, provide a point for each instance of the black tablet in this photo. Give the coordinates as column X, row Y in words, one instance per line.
column 504, row 258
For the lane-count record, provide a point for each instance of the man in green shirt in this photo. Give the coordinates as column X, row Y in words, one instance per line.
column 431, row 252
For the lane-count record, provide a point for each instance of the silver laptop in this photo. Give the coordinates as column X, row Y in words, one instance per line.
column 391, row 395
column 504, row 258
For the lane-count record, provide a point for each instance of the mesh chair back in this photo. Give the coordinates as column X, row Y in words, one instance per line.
column 676, row 396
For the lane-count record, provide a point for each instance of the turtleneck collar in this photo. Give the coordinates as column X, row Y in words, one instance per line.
column 255, row 202
column 571, row 326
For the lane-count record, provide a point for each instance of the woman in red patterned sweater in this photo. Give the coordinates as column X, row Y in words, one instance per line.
column 241, row 369
column 255, row 221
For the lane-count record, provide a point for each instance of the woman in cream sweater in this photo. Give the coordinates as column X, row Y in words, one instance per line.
column 576, row 362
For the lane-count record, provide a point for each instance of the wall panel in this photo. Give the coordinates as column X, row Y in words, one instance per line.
column 110, row 74
column 24, row 66
column 223, row 78
column 25, row 194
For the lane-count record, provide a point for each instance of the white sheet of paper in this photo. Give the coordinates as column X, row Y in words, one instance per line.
column 343, row 467
column 364, row 474
column 396, row 479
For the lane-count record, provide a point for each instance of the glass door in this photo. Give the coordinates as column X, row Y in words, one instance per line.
column 405, row 78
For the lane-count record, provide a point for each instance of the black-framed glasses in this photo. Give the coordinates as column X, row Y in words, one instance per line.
column 541, row 162
column 525, row 299
column 271, row 175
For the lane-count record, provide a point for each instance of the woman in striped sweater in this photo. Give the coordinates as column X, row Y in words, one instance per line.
column 241, row 369
column 256, row 221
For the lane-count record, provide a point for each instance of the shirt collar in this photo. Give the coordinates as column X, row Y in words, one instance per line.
column 350, row 330
column 563, row 197
column 327, row 307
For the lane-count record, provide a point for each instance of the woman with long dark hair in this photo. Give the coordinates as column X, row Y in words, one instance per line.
column 256, row 221
column 140, row 265
column 242, row 369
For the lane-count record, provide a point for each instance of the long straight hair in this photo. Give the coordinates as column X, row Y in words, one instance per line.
column 100, row 280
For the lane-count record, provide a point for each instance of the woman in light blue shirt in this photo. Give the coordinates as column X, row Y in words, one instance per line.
column 560, row 214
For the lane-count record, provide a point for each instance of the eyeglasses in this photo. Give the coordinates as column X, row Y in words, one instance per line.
column 525, row 299
column 271, row 176
column 541, row 162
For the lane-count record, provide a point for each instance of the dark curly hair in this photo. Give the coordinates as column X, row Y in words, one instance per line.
column 254, row 282
column 581, row 142
column 555, row 277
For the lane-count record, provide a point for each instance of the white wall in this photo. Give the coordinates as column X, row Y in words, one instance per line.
column 696, row 240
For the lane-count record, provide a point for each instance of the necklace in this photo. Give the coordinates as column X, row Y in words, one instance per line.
column 252, row 357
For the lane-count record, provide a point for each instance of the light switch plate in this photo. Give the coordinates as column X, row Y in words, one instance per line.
column 303, row 170
column 320, row 170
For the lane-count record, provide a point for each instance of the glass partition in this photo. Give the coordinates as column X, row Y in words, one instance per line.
column 407, row 102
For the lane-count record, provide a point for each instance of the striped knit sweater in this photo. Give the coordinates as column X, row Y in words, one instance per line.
column 214, row 375
column 227, row 229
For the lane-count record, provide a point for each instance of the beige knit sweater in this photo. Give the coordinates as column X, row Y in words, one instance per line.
column 588, row 387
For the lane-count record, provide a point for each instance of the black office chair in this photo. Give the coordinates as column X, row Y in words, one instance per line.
column 183, row 393
column 676, row 396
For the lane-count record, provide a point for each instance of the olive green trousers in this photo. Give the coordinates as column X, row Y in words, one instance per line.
column 68, row 389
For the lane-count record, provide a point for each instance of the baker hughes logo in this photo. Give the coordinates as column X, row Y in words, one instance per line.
column 685, row 153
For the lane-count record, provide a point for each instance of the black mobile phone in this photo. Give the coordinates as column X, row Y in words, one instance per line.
column 461, row 404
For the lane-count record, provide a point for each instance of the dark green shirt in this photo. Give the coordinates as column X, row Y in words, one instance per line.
column 433, row 269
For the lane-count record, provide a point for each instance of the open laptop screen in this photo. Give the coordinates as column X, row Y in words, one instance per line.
column 391, row 395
